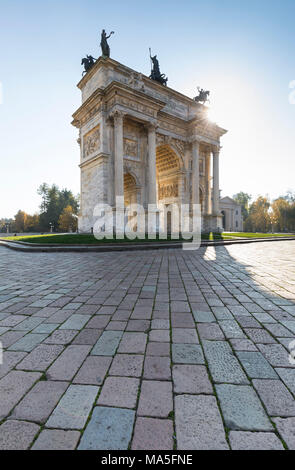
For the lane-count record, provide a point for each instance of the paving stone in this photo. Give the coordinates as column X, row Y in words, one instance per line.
column 28, row 342
column 155, row 399
column 243, row 345
column 191, row 379
column 278, row 330
column 243, row 440
column 290, row 325
column 259, row 335
column 286, row 428
column 158, row 349
column 187, row 354
column 157, row 368
column 46, row 328
column 288, row 377
column 93, row 370
column 263, row 317
column 160, row 335
column 41, row 357
column 223, row 365
column 13, row 387
column 138, row 325
column 10, row 359
column 133, row 343
column 74, row 407
column 60, row 316
column 56, row 439
column 127, row 365
column 276, row 354
column 40, row 401
column 231, row 329
column 107, row 344
column 153, row 434
column 160, row 324
column 67, row 364
column 108, row 429
column 222, row 313
column 182, row 320
column 116, row 325
column 184, row 335
column 61, row 337
column 203, row 317
column 210, row 331
column 87, row 336
column 29, row 323
column 256, row 365
column 11, row 337
column 248, row 322
column 17, row 435
column 3, row 330
column 99, row 322
column 179, row 306
column 119, row 391
column 198, row 423
column 12, row 320
column 241, row 408
column 75, row 322
column 277, row 399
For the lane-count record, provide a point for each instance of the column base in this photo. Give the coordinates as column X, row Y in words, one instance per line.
column 212, row 223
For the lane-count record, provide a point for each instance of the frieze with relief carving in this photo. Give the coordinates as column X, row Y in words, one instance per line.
column 168, row 190
column 91, row 142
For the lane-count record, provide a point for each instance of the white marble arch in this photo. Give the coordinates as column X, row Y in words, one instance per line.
column 128, row 119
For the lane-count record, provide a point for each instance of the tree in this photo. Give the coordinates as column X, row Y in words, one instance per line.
column 54, row 201
column 20, row 221
column 280, row 210
column 243, row 199
column 67, row 222
column 259, row 219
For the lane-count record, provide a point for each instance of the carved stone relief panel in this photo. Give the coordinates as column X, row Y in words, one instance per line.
column 91, row 142
column 168, row 190
column 130, row 147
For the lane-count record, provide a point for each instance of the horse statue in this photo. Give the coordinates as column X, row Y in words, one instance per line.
column 88, row 63
column 155, row 73
column 202, row 96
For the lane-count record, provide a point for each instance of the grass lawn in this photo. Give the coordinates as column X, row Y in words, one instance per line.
column 258, row 235
column 88, row 239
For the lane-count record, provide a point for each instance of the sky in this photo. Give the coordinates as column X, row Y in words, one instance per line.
column 242, row 51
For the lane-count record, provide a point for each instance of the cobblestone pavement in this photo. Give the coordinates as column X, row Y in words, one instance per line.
column 148, row 350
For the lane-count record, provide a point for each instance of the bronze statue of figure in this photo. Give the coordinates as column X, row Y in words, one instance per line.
column 88, row 62
column 202, row 96
column 105, row 48
column 155, row 73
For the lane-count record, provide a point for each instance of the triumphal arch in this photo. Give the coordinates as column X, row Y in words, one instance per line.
column 145, row 142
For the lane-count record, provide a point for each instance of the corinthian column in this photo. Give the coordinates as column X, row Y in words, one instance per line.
column 118, row 154
column 208, row 182
column 152, row 199
column 196, row 173
column 216, row 151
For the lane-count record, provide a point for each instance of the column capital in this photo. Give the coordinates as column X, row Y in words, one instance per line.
column 151, row 126
column 117, row 116
column 216, row 149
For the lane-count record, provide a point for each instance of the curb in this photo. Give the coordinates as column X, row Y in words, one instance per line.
column 38, row 248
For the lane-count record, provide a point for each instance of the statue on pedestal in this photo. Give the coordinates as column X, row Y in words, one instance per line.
column 105, row 48
column 155, row 73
